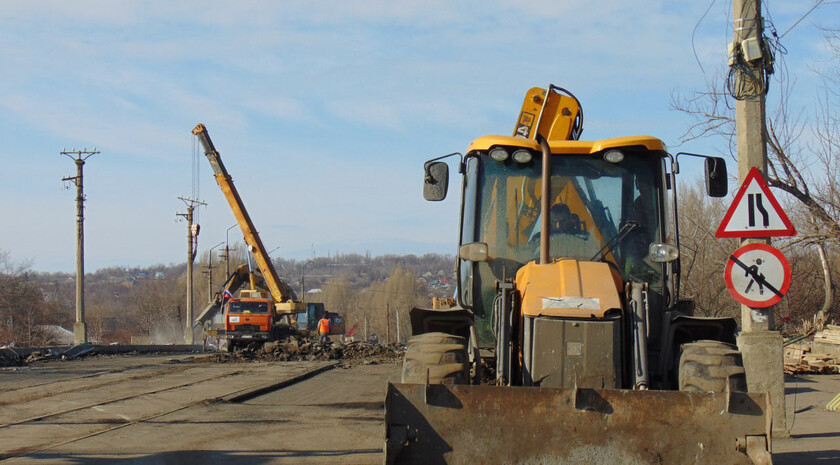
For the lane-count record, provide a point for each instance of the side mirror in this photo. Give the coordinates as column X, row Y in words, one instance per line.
column 436, row 181
column 716, row 180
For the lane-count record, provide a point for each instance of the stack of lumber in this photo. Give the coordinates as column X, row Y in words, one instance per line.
column 800, row 358
column 830, row 335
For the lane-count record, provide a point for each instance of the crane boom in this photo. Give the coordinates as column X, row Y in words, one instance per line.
column 286, row 301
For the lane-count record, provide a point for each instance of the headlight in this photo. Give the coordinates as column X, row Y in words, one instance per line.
column 522, row 156
column 614, row 156
column 661, row 253
column 499, row 154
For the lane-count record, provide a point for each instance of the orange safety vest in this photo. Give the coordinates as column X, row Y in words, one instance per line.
column 324, row 325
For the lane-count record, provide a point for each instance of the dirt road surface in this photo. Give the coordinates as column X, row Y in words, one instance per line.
column 185, row 409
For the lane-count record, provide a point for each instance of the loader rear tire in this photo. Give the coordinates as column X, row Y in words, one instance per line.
column 708, row 366
column 443, row 357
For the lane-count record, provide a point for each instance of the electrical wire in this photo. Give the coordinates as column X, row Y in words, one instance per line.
column 748, row 80
column 819, row 2
column 414, row 294
column 694, row 32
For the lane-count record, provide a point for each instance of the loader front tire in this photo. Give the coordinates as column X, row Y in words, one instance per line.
column 708, row 366
column 439, row 356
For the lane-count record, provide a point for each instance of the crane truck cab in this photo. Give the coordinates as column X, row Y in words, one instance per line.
column 248, row 318
column 568, row 283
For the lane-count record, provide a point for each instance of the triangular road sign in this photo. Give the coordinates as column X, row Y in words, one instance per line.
column 755, row 212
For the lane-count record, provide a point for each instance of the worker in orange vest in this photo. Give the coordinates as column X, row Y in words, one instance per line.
column 324, row 329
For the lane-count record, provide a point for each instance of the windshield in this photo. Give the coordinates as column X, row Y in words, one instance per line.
column 248, row 307
column 598, row 211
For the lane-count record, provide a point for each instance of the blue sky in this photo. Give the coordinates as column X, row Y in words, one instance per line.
column 322, row 111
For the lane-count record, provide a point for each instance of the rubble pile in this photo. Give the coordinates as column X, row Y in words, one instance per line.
column 304, row 346
column 9, row 358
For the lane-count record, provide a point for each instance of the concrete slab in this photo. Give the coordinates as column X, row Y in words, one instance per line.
column 88, row 407
column 763, row 356
column 335, row 417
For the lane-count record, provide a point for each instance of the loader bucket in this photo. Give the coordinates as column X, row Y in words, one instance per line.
column 437, row 424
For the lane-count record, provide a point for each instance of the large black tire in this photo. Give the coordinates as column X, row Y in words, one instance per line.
column 443, row 356
column 708, row 366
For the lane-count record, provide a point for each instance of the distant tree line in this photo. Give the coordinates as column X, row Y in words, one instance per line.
column 126, row 302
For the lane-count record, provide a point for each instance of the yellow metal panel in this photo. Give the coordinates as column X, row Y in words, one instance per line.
column 290, row 307
column 486, row 142
column 568, row 288
column 570, row 147
column 531, row 108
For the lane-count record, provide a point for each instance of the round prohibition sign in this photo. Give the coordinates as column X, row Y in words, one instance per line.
column 757, row 275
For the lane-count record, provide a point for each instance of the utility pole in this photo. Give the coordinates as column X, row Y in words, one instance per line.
column 210, row 271
column 79, row 157
column 397, row 314
column 387, row 323
column 192, row 246
column 751, row 63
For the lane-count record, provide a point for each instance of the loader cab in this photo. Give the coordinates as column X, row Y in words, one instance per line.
column 607, row 204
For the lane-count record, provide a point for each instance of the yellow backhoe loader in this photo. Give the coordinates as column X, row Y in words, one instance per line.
column 569, row 342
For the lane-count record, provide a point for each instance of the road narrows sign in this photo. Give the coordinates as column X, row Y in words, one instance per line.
column 757, row 275
column 755, row 212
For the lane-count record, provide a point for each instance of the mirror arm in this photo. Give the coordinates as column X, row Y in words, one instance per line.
column 461, row 167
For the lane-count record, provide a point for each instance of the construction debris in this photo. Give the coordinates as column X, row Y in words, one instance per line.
column 304, row 346
column 830, row 335
column 9, row 358
column 800, row 359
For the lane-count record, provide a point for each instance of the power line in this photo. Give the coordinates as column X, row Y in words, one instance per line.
column 693, row 33
column 803, row 17
column 414, row 294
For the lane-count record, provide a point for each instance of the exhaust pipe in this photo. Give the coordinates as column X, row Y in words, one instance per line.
column 545, row 224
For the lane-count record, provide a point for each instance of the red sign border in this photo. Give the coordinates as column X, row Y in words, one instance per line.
column 755, row 175
column 727, row 275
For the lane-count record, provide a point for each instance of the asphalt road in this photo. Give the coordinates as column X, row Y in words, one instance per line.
column 814, row 431
column 188, row 410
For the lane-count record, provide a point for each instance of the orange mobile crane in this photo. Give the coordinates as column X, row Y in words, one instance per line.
column 254, row 315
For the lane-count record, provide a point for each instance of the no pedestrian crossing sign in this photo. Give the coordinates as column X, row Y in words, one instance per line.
column 755, row 212
column 757, row 275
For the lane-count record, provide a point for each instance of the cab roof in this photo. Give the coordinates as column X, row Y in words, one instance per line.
column 569, row 146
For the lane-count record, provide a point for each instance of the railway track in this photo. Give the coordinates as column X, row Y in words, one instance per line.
column 143, row 396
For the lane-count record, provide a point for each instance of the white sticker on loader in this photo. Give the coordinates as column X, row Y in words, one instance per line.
column 582, row 303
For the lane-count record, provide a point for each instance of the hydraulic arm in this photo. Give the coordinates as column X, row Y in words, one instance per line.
column 284, row 296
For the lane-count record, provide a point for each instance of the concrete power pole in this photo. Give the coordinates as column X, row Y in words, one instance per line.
column 192, row 247
column 750, row 64
column 79, row 157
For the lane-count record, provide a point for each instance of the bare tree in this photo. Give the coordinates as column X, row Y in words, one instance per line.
column 24, row 310
column 156, row 311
